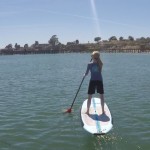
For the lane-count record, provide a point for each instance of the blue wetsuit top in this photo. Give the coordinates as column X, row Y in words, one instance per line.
column 95, row 71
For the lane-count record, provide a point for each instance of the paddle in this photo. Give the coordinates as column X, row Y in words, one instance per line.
column 69, row 110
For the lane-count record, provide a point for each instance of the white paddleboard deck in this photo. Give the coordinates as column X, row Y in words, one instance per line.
column 96, row 122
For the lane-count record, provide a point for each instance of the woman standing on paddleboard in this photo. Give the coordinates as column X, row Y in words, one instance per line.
column 96, row 81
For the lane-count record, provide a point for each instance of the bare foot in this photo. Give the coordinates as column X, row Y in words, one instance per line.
column 103, row 112
column 87, row 113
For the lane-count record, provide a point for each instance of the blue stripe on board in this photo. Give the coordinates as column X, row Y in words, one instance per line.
column 96, row 117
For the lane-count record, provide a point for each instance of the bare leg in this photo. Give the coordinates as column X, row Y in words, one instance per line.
column 88, row 103
column 102, row 102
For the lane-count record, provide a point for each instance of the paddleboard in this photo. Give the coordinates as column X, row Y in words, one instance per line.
column 95, row 122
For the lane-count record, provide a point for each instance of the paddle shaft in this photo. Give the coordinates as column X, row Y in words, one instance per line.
column 78, row 89
column 69, row 110
column 77, row 92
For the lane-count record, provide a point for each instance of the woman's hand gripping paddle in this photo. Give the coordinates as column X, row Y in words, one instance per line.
column 70, row 109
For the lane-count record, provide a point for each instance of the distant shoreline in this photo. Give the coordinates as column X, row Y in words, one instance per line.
column 113, row 46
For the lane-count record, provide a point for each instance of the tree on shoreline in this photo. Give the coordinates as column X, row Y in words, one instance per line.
column 97, row 39
column 130, row 38
column 53, row 41
column 77, row 41
column 121, row 38
column 9, row 46
column 113, row 38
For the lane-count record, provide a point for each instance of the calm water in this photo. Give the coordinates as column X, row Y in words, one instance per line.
column 36, row 89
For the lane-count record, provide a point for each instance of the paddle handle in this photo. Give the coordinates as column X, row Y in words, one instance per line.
column 77, row 91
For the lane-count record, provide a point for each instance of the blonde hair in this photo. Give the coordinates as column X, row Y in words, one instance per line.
column 96, row 56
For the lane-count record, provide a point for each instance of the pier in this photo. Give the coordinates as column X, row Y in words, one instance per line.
column 25, row 52
column 126, row 51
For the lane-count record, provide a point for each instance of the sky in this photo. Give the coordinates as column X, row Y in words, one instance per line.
column 27, row 21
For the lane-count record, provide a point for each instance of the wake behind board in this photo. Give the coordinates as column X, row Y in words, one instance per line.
column 96, row 122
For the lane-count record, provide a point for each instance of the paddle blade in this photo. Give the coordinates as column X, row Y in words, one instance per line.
column 68, row 110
